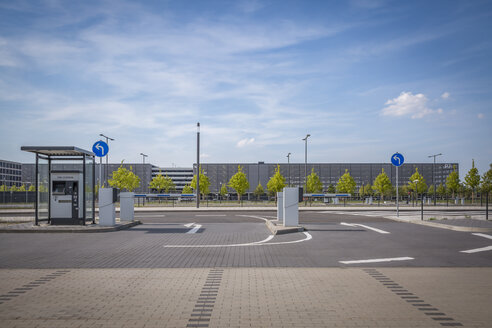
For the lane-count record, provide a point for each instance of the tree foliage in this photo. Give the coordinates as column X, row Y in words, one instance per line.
column 346, row 183
column 331, row 189
column 239, row 182
column 223, row 190
column 14, row 188
column 431, row 191
column 441, row 190
column 204, row 183
column 259, row 191
column 276, row 182
column 453, row 182
column 161, row 183
column 124, row 179
column 420, row 186
column 472, row 179
column 382, row 184
column 314, row 184
column 187, row 190
column 486, row 185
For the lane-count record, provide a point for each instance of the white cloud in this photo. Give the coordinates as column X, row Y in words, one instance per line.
column 408, row 104
column 245, row 142
column 445, row 95
column 480, row 115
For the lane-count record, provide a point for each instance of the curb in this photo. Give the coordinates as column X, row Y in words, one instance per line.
column 86, row 229
column 443, row 226
column 280, row 230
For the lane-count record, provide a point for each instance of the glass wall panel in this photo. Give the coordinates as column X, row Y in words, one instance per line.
column 43, row 190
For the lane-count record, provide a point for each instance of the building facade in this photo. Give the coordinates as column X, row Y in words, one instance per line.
column 329, row 173
column 10, row 173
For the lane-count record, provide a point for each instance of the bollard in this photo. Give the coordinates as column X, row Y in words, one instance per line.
column 280, row 207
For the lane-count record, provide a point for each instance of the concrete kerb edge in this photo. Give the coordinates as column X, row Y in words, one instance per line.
column 74, row 230
column 442, row 226
column 280, row 230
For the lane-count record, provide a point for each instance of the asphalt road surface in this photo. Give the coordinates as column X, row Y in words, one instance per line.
column 241, row 239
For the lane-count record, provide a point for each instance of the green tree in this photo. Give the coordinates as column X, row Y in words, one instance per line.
column 239, row 182
column 160, row 183
column 314, row 184
column 441, row 190
column 4, row 188
column 486, row 185
column 276, row 182
column 331, row 189
column 420, row 186
column 346, row 183
column 32, row 188
column 204, row 183
column 223, row 190
column 472, row 179
column 431, row 191
column 368, row 190
column 14, row 188
column 382, row 184
column 259, row 191
column 22, row 188
column 187, row 190
column 453, row 182
column 124, row 179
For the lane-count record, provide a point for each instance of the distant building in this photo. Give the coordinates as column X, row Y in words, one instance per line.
column 10, row 173
column 329, row 173
column 181, row 176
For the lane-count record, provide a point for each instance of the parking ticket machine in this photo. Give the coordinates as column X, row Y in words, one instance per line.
column 67, row 189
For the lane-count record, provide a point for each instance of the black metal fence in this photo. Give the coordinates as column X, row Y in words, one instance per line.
column 7, row 197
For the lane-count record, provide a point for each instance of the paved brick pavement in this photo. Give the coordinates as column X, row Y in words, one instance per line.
column 245, row 297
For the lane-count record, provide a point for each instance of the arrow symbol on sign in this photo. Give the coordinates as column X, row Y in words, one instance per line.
column 396, row 158
column 101, row 148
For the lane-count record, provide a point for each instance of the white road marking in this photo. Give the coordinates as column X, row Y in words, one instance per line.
column 256, row 243
column 210, row 215
column 482, row 235
column 189, row 225
column 195, row 229
column 378, row 260
column 363, row 226
column 476, row 250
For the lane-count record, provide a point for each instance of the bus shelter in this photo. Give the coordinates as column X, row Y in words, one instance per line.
column 65, row 185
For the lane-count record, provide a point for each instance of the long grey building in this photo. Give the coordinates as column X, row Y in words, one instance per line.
column 10, row 173
column 146, row 172
column 329, row 173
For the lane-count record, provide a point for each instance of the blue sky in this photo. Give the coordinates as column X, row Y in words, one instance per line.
column 364, row 78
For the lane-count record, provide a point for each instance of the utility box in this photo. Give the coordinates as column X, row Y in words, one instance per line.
column 280, row 207
column 291, row 207
column 66, row 190
column 107, row 198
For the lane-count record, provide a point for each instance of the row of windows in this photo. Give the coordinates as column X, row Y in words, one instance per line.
column 10, row 165
column 9, row 178
column 10, row 171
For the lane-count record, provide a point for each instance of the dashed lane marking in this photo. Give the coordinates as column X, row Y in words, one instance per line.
column 364, row 226
column 482, row 235
column 378, row 260
column 476, row 250
column 189, row 225
column 195, row 229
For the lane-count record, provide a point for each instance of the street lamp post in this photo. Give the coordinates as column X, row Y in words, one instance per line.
column 433, row 181
column 198, row 165
column 305, row 159
column 143, row 157
column 288, row 168
column 421, row 199
column 143, row 168
column 106, row 173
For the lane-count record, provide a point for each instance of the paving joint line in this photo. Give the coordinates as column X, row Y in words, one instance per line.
column 415, row 300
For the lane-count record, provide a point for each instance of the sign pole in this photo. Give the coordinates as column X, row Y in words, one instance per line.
column 397, row 196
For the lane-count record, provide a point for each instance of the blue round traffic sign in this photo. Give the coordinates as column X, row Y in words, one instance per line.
column 397, row 159
column 100, row 148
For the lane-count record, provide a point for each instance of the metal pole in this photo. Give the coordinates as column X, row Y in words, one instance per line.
column 422, row 207
column 288, row 168
column 36, row 206
column 106, row 171
column 305, row 161
column 198, row 165
column 433, row 180
column 397, row 200
column 487, row 207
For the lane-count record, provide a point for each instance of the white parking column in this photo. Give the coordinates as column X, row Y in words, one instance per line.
column 291, row 207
